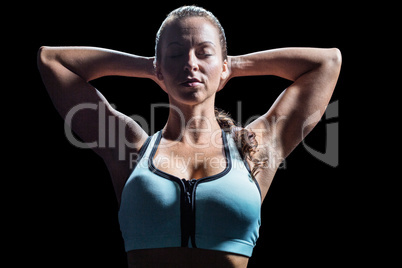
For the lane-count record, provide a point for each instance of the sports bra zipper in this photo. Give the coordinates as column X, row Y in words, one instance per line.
column 188, row 213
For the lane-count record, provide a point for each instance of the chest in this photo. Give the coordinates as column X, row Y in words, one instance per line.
column 160, row 208
column 186, row 162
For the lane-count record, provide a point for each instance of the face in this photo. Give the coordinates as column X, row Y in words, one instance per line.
column 191, row 64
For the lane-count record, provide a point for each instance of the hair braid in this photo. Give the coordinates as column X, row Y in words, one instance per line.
column 245, row 139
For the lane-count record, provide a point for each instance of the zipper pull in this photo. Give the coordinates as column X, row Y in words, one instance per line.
column 189, row 185
column 192, row 182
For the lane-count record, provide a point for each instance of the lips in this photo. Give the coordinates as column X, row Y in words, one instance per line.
column 191, row 82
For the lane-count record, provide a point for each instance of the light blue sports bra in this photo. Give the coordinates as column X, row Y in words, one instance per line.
column 220, row 212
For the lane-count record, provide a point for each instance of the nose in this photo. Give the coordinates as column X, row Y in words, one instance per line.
column 191, row 63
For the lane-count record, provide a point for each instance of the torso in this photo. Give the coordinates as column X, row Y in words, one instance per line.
column 190, row 161
column 183, row 161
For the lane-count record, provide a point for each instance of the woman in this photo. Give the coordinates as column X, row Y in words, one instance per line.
column 193, row 197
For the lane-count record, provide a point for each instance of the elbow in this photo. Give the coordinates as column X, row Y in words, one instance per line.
column 334, row 58
column 331, row 61
column 41, row 58
column 44, row 56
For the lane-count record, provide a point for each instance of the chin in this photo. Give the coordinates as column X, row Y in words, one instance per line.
column 190, row 98
column 190, row 95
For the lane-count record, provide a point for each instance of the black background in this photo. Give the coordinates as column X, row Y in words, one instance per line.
column 70, row 203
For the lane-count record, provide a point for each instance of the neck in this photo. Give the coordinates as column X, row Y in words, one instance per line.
column 194, row 124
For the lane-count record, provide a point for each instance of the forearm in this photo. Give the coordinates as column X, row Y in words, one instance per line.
column 288, row 63
column 90, row 63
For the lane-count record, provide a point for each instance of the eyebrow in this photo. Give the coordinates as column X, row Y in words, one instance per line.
column 206, row 42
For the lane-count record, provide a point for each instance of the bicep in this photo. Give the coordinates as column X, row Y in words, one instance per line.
column 289, row 119
column 87, row 111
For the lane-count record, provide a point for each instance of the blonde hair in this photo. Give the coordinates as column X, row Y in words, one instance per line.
column 185, row 12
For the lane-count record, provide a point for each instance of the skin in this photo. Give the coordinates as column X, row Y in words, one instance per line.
column 191, row 49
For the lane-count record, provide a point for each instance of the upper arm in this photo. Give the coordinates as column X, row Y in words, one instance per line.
column 88, row 113
column 287, row 122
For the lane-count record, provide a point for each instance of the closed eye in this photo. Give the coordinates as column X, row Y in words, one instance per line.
column 205, row 53
column 206, row 50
